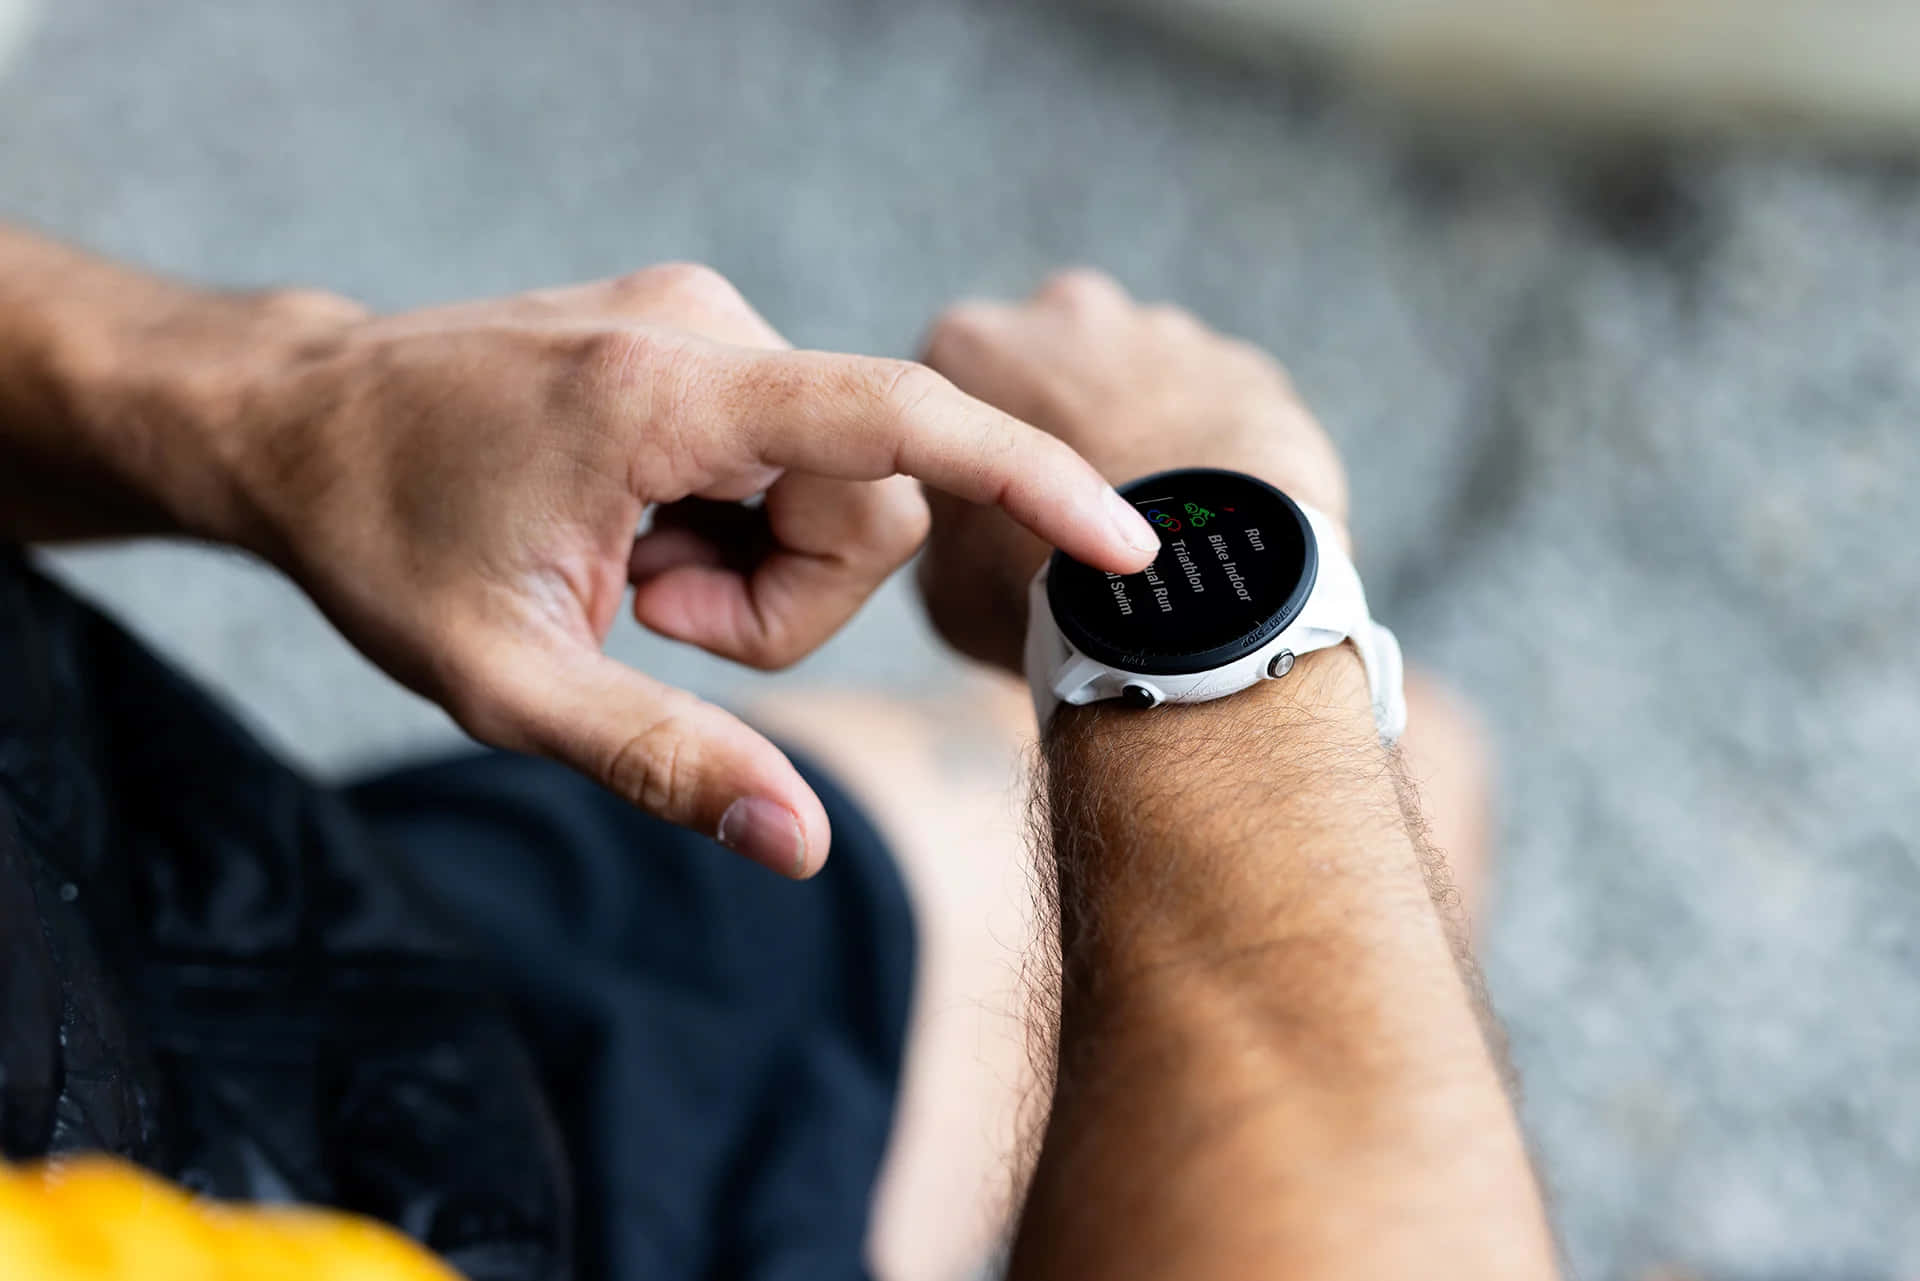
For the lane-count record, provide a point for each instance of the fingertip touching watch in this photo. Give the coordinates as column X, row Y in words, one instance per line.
column 1247, row 580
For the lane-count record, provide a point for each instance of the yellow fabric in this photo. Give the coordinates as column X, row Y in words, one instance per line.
column 97, row 1219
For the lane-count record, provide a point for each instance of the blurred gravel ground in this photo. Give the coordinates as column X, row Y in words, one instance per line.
column 1633, row 436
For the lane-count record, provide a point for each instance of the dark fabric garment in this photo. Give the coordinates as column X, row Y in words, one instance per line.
column 482, row 1000
column 720, row 1045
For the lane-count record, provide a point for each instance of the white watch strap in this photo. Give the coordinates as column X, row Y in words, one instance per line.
column 1046, row 653
column 1338, row 607
column 1335, row 611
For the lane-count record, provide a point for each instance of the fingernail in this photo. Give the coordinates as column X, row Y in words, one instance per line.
column 766, row 832
column 1132, row 525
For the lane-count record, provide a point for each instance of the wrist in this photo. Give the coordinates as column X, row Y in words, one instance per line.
column 187, row 393
column 1192, row 828
column 1317, row 720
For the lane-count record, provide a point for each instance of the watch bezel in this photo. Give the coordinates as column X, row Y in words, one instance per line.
column 1221, row 655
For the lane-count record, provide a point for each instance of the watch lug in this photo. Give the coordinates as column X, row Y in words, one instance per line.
column 1078, row 681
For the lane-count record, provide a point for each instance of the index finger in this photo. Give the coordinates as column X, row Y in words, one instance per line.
column 862, row 418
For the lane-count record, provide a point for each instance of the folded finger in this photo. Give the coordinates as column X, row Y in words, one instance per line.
column 832, row 543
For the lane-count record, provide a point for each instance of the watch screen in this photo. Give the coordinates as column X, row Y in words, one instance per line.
column 1237, row 561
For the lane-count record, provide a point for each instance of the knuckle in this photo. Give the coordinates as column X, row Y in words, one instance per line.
column 913, row 522
column 773, row 649
column 639, row 391
column 1079, row 288
column 656, row 768
column 633, row 373
column 614, row 361
column 893, row 523
column 905, row 386
column 309, row 306
column 959, row 328
column 689, row 284
column 1262, row 362
column 909, row 519
column 1171, row 318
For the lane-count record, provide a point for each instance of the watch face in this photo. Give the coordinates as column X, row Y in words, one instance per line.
column 1237, row 561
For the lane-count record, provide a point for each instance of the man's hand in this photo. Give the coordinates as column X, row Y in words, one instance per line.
column 1268, row 1056
column 459, row 490
column 1135, row 389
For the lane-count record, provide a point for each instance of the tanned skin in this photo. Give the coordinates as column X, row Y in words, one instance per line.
column 459, row 488
column 1268, row 1060
column 1269, row 1052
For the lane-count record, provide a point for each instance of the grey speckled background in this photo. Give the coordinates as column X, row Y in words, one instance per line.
column 1633, row 439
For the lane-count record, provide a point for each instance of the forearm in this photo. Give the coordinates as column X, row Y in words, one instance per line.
column 1269, row 1061
column 123, row 396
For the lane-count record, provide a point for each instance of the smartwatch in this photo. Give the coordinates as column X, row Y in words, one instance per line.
column 1247, row 580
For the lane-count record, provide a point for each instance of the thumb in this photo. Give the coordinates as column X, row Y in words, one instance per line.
column 671, row 754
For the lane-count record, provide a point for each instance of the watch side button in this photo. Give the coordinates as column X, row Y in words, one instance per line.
column 1140, row 696
column 1282, row 664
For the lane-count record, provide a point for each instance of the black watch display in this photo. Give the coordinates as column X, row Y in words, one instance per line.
column 1237, row 562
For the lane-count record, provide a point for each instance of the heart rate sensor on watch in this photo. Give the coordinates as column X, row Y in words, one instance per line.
column 1246, row 580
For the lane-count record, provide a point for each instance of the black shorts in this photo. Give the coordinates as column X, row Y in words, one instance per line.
column 480, row 999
